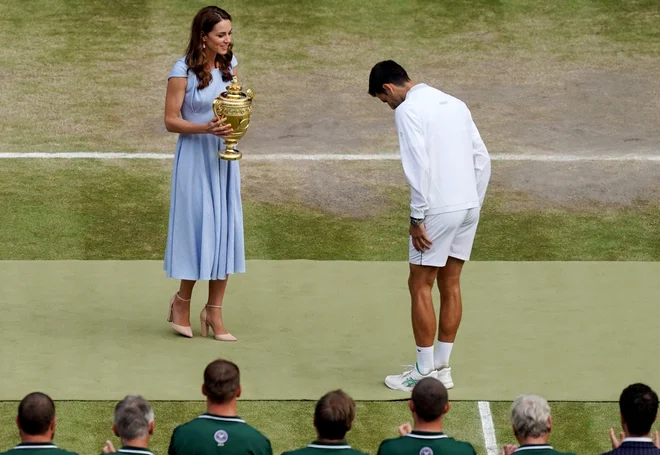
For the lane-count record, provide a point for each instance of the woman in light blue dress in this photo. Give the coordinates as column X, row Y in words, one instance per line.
column 205, row 234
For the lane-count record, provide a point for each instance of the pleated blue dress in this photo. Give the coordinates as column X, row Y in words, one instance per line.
column 205, row 232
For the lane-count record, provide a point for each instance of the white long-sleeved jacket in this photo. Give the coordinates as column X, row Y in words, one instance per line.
column 444, row 158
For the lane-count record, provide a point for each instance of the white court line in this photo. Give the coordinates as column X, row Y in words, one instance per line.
column 488, row 428
column 322, row 157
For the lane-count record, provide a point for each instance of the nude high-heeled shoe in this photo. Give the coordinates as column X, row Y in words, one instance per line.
column 180, row 329
column 206, row 324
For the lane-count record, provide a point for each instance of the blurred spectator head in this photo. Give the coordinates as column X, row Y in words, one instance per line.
column 36, row 415
column 638, row 404
column 222, row 382
column 530, row 417
column 334, row 415
column 430, row 400
column 134, row 418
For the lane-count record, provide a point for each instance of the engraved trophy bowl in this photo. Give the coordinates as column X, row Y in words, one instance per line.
column 236, row 107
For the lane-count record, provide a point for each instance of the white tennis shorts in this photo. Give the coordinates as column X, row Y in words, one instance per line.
column 452, row 235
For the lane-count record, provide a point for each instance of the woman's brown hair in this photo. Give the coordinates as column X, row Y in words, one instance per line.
column 196, row 60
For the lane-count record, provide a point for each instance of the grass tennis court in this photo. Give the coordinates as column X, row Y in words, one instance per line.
column 84, row 217
column 571, row 76
column 307, row 326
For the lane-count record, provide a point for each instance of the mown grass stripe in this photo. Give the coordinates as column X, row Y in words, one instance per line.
column 559, row 158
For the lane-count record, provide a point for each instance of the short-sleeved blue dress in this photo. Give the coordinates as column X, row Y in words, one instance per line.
column 205, row 234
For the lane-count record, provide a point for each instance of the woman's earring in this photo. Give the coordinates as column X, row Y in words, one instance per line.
column 203, row 45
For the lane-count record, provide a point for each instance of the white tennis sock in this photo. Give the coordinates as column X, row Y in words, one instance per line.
column 425, row 360
column 441, row 354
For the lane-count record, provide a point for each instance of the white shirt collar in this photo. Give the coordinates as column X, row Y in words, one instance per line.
column 427, row 436
column 637, row 440
column 320, row 445
column 135, row 451
column 534, row 447
column 223, row 419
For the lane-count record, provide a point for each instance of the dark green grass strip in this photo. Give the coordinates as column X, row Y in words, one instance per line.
column 118, row 210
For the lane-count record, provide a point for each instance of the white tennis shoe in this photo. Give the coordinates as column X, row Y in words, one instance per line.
column 444, row 375
column 407, row 380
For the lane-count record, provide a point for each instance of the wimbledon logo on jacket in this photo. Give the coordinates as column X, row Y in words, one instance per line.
column 221, row 437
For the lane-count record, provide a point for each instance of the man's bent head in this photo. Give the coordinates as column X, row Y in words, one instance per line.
column 387, row 81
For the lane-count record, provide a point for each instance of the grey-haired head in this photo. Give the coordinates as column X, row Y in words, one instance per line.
column 134, row 418
column 530, row 417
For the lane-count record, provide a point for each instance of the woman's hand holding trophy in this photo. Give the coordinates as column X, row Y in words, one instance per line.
column 233, row 108
column 219, row 127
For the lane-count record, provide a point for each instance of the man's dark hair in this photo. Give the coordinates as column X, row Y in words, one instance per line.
column 334, row 415
column 639, row 407
column 35, row 413
column 430, row 398
column 221, row 381
column 386, row 72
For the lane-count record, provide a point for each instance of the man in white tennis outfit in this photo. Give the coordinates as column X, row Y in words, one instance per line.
column 448, row 168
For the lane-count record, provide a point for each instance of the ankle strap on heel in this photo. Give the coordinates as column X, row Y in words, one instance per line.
column 179, row 297
column 213, row 306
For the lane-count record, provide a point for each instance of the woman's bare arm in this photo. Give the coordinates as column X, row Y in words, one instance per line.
column 176, row 91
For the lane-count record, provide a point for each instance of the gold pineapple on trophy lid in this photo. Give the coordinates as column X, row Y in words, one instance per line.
column 236, row 107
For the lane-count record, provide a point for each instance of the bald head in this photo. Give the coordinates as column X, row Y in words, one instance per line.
column 36, row 413
column 429, row 398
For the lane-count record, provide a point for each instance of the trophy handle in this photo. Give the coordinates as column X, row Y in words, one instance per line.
column 243, row 125
column 217, row 108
